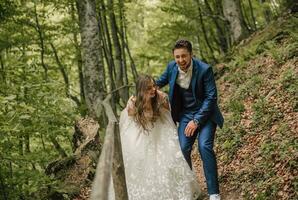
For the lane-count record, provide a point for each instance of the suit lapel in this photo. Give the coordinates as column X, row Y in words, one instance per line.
column 194, row 77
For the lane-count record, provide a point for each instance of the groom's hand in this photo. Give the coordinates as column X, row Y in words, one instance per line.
column 190, row 128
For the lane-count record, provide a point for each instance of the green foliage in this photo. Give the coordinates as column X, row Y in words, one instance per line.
column 33, row 114
column 33, row 109
column 260, row 107
column 7, row 8
column 289, row 81
column 231, row 143
column 264, row 114
column 236, row 107
column 281, row 54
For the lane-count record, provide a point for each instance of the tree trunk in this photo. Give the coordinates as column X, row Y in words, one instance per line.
column 65, row 76
column 245, row 17
column 106, row 41
column 118, row 53
column 78, row 57
column 202, row 56
column 266, row 11
column 108, row 38
column 202, row 25
column 132, row 63
column 225, row 25
column 3, row 79
column 40, row 32
column 123, row 61
column 252, row 15
column 2, row 186
column 232, row 11
column 91, row 53
column 220, row 33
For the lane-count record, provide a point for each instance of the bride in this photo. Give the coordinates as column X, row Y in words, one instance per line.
column 155, row 168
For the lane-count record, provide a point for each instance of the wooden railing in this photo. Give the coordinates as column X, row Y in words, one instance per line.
column 110, row 163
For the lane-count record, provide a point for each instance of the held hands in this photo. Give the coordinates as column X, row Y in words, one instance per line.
column 190, row 128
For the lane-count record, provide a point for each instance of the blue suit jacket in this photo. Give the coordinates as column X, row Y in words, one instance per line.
column 203, row 88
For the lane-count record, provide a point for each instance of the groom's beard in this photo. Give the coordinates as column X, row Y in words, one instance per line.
column 185, row 69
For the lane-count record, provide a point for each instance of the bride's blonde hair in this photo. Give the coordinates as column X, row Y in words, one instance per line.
column 142, row 84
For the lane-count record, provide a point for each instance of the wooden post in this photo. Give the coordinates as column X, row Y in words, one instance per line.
column 111, row 155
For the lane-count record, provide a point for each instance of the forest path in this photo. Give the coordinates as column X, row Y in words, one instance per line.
column 225, row 193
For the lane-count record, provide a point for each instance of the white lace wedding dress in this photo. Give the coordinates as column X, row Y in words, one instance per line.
column 155, row 168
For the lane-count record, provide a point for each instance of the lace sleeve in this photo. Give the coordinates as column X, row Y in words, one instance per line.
column 130, row 106
column 163, row 100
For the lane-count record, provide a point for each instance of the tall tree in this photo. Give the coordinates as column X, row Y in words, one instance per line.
column 118, row 52
column 254, row 22
column 219, row 30
column 65, row 76
column 232, row 11
column 77, row 53
column 93, row 69
column 124, row 42
column 204, row 31
column 108, row 53
column 266, row 10
column 122, row 38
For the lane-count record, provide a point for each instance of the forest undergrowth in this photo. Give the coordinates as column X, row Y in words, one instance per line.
column 257, row 149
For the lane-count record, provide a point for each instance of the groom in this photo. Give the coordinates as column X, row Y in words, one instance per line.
column 193, row 98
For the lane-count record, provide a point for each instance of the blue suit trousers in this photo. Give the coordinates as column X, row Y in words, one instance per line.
column 205, row 136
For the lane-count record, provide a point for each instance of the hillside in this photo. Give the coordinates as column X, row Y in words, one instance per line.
column 258, row 147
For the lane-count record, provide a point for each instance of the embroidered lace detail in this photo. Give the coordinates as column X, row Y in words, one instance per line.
column 155, row 168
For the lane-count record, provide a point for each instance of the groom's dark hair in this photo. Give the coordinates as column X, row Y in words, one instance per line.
column 182, row 43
